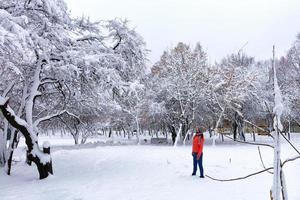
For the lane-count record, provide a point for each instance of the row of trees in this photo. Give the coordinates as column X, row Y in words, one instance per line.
column 79, row 76
column 238, row 90
column 278, row 190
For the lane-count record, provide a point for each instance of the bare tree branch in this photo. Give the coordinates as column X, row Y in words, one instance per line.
column 253, row 174
column 240, row 178
column 258, row 127
column 289, row 160
column 290, row 143
column 48, row 117
column 8, row 89
column 251, row 143
column 119, row 42
column 262, row 162
column 48, row 80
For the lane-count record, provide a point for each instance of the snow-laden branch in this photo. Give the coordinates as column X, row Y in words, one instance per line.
column 34, row 154
column 92, row 38
column 8, row 89
column 48, row 117
column 3, row 100
column 48, row 81
column 17, row 122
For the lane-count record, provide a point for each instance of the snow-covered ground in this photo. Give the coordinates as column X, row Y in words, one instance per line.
column 146, row 172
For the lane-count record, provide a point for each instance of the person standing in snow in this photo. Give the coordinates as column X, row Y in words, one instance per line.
column 197, row 152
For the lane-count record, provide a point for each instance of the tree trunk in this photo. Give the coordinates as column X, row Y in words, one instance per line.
column 186, row 137
column 183, row 130
column 75, row 137
column 2, row 148
column 238, row 127
column 217, row 126
column 277, row 111
column 137, row 129
column 283, row 186
column 124, row 132
column 166, row 135
column 210, row 131
column 110, row 132
column 276, row 188
column 222, row 137
column 178, row 137
column 12, row 146
column 3, row 140
column 253, row 134
column 289, row 132
column 234, row 129
column 270, row 122
column 42, row 160
column 173, row 133
column 83, row 139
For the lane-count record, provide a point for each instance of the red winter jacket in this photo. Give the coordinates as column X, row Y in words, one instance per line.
column 198, row 144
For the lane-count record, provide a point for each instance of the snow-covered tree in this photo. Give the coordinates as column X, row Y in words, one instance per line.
column 278, row 177
column 66, row 67
column 182, row 75
column 289, row 75
column 130, row 46
column 36, row 32
column 232, row 85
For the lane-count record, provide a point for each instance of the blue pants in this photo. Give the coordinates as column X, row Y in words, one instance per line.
column 199, row 162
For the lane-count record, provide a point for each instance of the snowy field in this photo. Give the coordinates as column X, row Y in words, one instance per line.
column 149, row 172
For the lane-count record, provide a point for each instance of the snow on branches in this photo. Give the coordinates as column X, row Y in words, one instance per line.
column 63, row 67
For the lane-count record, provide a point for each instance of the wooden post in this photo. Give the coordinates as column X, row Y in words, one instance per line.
column 46, row 150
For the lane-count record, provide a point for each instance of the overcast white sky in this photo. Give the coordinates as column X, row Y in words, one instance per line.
column 221, row 26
